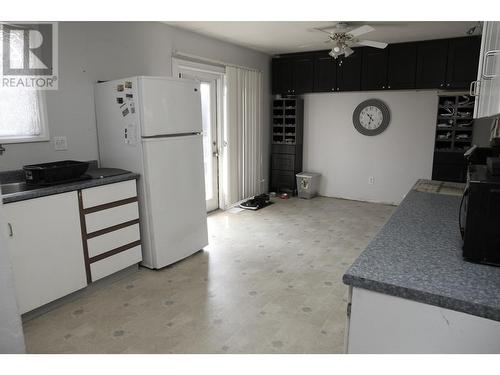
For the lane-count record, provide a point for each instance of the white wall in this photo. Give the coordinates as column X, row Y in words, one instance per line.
column 91, row 51
column 345, row 158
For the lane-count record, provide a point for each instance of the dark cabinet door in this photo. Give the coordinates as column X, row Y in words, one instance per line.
column 374, row 69
column 325, row 72
column 349, row 72
column 303, row 74
column 432, row 58
column 282, row 82
column 463, row 60
column 401, row 66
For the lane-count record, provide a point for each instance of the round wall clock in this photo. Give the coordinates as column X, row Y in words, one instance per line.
column 371, row 117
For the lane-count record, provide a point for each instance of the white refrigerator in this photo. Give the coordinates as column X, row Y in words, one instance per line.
column 153, row 126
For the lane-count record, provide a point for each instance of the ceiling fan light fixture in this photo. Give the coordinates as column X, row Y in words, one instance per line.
column 334, row 53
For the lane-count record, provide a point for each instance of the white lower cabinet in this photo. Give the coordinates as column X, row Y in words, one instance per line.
column 51, row 255
column 112, row 234
column 46, row 248
column 383, row 324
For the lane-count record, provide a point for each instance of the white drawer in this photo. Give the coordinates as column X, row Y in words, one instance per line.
column 115, row 263
column 112, row 240
column 108, row 193
column 112, row 216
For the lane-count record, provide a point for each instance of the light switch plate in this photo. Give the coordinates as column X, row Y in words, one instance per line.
column 60, row 143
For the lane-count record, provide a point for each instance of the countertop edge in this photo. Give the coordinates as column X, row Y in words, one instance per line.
column 470, row 308
column 64, row 188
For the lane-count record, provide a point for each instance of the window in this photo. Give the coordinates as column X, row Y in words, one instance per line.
column 22, row 116
column 22, row 111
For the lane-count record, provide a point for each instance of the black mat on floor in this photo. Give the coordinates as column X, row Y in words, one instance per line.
column 256, row 203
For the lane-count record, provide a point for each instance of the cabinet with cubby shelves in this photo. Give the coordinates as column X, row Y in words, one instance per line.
column 454, row 129
column 286, row 150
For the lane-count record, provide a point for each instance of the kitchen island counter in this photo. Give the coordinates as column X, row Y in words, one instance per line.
column 417, row 256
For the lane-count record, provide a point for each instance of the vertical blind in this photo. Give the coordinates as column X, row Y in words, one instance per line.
column 244, row 133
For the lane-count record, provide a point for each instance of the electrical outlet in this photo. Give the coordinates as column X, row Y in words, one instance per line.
column 371, row 180
column 60, row 143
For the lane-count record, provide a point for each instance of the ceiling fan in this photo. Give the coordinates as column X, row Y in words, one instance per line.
column 342, row 39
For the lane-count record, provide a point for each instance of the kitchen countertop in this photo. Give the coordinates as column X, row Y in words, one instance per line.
column 417, row 255
column 16, row 176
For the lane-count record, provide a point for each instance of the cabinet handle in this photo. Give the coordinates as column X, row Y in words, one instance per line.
column 493, row 52
column 11, row 232
column 473, row 88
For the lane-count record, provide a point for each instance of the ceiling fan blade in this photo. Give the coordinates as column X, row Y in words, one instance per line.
column 313, row 44
column 361, row 30
column 323, row 31
column 371, row 43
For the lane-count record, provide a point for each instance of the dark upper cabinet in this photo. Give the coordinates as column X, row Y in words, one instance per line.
column 432, row 59
column 374, row 68
column 349, row 72
column 401, row 65
column 433, row 64
column 282, row 75
column 325, row 72
column 303, row 74
column 293, row 75
column 463, row 60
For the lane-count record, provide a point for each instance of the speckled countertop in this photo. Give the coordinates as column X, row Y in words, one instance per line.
column 15, row 176
column 417, row 255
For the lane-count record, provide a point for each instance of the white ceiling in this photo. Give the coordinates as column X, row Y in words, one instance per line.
column 283, row 37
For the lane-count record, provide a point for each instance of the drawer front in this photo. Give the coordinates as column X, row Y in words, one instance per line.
column 115, row 263
column 112, row 240
column 108, row 193
column 283, row 179
column 112, row 216
column 284, row 162
column 283, row 149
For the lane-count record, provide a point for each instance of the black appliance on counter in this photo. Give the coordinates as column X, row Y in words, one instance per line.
column 54, row 173
column 480, row 207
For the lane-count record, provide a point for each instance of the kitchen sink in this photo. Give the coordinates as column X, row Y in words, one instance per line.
column 14, row 187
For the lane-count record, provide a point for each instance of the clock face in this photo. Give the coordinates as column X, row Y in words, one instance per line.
column 371, row 117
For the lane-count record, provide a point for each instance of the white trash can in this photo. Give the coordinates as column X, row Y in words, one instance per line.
column 307, row 184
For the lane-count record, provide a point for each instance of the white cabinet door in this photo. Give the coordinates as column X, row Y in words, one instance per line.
column 488, row 101
column 46, row 248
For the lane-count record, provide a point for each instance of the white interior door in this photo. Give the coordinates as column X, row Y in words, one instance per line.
column 210, row 86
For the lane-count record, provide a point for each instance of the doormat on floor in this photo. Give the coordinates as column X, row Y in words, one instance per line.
column 256, row 203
